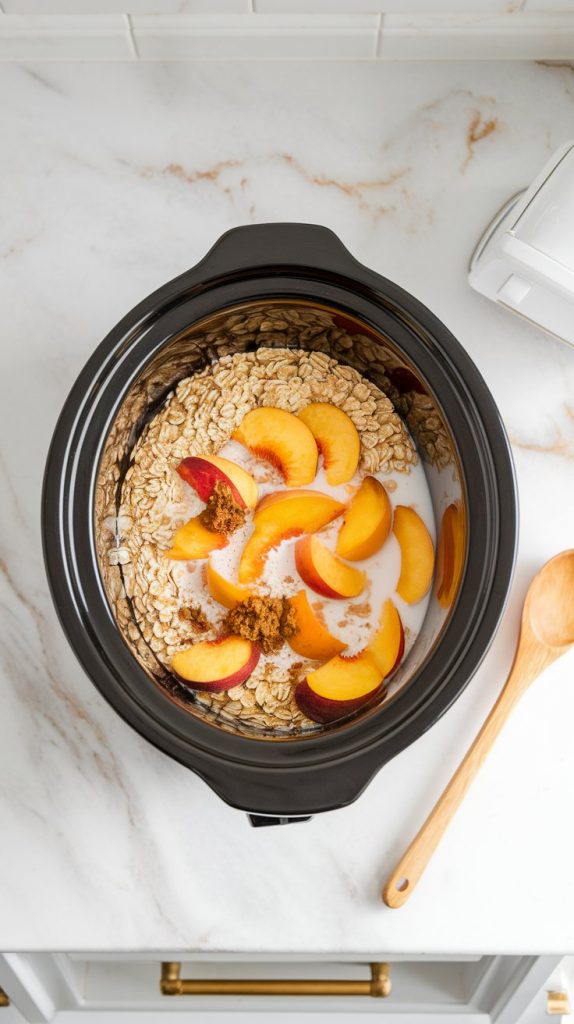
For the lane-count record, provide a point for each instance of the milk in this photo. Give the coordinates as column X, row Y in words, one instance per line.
column 353, row 621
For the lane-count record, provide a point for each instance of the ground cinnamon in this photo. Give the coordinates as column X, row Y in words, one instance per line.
column 362, row 611
column 195, row 619
column 295, row 673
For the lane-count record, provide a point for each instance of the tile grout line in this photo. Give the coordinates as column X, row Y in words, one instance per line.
column 281, row 60
column 379, row 38
column 131, row 38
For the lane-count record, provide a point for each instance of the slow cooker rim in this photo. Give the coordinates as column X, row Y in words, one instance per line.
column 240, row 737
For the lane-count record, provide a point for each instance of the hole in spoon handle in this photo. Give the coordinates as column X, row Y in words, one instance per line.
column 398, row 886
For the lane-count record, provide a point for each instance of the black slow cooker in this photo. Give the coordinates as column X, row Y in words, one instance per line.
column 368, row 323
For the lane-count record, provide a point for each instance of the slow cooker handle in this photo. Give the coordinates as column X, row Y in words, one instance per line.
column 277, row 247
column 262, row 820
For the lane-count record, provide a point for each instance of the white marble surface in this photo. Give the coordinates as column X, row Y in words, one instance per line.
column 114, row 178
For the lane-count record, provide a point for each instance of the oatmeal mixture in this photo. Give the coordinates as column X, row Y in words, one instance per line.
column 199, row 418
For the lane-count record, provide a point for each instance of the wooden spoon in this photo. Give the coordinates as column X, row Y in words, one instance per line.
column 546, row 632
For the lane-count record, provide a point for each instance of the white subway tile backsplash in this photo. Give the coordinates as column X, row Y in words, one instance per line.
column 382, row 6
column 78, row 7
column 318, row 6
column 261, row 37
column 63, row 37
column 56, row 22
column 288, row 30
column 520, row 36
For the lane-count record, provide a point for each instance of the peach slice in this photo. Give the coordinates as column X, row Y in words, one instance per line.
column 366, row 523
column 324, row 573
column 337, row 440
column 417, row 554
column 344, row 684
column 280, row 516
column 194, row 541
column 216, row 664
column 312, row 639
column 238, row 476
column 339, row 687
column 282, row 439
column 253, row 556
column 202, row 472
column 227, row 593
column 388, row 644
column 450, row 554
column 274, row 497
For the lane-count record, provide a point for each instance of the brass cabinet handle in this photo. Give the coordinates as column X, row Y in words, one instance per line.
column 171, row 984
column 557, row 1003
column 4, row 999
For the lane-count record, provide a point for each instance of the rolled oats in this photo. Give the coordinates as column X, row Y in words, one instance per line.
column 200, row 415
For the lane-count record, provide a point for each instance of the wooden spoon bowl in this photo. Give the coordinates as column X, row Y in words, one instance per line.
column 550, row 602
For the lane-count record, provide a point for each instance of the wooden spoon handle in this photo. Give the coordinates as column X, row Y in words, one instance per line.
column 408, row 871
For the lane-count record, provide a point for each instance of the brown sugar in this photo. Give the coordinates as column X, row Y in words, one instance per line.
column 195, row 619
column 222, row 513
column 268, row 621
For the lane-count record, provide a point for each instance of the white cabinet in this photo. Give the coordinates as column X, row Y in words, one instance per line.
column 122, row 988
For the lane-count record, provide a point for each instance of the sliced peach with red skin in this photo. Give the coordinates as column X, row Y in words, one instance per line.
column 224, row 591
column 281, row 516
column 193, row 541
column 337, row 439
column 417, row 554
column 450, row 554
column 312, row 639
column 366, row 523
column 239, row 477
column 324, row 710
column 340, row 687
column 215, row 665
column 282, row 439
column 324, row 572
column 203, row 476
column 388, row 644
column 346, row 678
column 345, row 684
column 203, row 472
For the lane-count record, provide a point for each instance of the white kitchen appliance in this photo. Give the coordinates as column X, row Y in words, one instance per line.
column 525, row 259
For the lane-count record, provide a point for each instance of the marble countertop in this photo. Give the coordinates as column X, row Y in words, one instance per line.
column 113, row 179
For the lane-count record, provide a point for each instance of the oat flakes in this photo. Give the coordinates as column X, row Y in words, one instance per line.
column 200, row 416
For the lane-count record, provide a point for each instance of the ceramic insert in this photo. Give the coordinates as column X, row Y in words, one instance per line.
column 190, row 402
